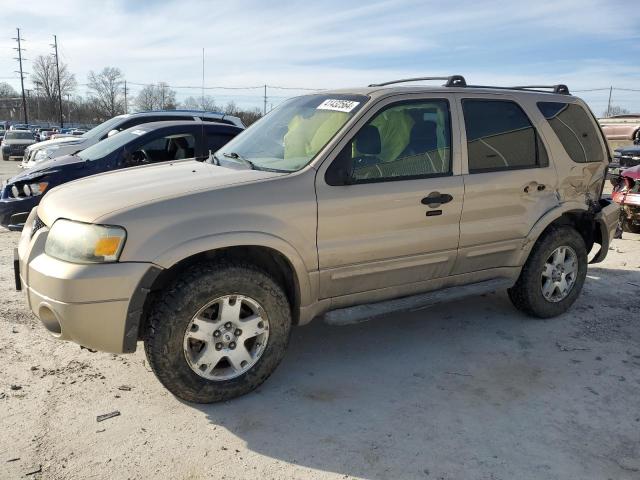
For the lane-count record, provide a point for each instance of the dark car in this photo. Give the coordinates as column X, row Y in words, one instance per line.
column 624, row 157
column 140, row 145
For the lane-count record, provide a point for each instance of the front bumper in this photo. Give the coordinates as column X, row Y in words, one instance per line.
column 97, row 306
column 14, row 212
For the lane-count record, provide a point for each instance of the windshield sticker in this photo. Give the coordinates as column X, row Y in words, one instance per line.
column 338, row 105
column 138, row 132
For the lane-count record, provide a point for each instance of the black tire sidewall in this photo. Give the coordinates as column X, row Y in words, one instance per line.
column 164, row 346
column 529, row 284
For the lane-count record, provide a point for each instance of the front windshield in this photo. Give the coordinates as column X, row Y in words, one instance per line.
column 108, row 145
column 104, row 128
column 19, row 135
column 290, row 136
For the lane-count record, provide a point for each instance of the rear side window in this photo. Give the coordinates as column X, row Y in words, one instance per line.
column 500, row 136
column 575, row 130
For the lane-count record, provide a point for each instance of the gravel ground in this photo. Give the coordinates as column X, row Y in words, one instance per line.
column 465, row 390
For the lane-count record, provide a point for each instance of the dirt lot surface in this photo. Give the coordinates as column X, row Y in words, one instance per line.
column 468, row 390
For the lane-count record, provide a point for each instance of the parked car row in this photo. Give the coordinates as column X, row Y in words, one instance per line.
column 332, row 201
column 142, row 144
column 65, row 146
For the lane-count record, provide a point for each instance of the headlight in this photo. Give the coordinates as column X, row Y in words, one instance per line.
column 85, row 242
column 29, row 189
column 42, row 154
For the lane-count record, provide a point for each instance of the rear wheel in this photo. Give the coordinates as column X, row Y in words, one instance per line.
column 219, row 331
column 553, row 275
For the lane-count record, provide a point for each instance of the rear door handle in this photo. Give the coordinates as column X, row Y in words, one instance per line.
column 435, row 199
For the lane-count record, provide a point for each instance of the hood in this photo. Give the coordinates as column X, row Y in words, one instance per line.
column 58, row 142
column 46, row 167
column 631, row 150
column 91, row 198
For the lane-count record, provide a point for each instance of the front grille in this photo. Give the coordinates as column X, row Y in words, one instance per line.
column 37, row 225
column 17, row 149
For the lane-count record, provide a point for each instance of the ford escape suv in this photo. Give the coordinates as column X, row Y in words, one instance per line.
column 332, row 201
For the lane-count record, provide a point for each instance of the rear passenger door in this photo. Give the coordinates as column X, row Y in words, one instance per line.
column 509, row 181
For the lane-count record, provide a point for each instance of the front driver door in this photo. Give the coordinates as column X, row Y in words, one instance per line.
column 395, row 222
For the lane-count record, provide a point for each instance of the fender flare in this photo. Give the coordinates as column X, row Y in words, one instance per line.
column 195, row 246
column 544, row 221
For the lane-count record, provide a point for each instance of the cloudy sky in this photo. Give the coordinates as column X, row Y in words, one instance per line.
column 588, row 44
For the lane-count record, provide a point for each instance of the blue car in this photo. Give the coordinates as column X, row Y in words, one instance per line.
column 140, row 145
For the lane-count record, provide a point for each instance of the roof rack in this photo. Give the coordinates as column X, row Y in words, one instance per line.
column 459, row 81
column 451, row 81
column 560, row 88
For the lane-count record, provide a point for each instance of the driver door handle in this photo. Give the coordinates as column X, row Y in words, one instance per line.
column 435, row 199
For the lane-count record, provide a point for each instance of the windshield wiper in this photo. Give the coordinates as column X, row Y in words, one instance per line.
column 236, row 156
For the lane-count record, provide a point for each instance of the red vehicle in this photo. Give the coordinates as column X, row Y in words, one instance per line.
column 626, row 193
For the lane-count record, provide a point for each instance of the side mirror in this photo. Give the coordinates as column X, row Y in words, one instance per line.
column 341, row 171
column 112, row 133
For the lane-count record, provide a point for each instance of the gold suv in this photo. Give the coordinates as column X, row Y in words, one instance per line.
column 347, row 203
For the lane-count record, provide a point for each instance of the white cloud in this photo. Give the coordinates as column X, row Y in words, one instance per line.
column 332, row 44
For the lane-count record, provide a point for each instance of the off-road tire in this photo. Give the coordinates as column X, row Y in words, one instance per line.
column 170, row 315
column 526, row 295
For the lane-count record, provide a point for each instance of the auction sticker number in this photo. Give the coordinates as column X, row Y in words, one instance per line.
column 338, row 105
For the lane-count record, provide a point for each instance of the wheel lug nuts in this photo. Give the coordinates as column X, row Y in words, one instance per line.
column 232, row 345
column 227, row 325
column 216, row 333
column 218, row 346
column 238, row 332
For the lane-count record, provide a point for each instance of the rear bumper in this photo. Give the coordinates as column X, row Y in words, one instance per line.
column 97, row 306
column 606, row 221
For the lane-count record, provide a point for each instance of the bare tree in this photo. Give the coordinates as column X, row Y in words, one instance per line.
column 106, row 91
column 207, row 103
column 615, row 110
column 45, row 80
column 7, row 91
column 156, row 97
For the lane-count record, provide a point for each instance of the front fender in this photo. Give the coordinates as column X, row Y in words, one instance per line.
column 206, row 243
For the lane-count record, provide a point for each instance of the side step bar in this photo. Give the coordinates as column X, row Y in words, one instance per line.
column 361, row 313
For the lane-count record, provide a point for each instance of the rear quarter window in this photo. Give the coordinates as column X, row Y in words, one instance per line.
column 575, row 130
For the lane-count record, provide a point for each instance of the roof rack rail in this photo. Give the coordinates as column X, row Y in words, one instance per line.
column 451, row 81
column 560, row 88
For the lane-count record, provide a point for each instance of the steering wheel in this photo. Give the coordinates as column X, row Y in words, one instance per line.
column 141, row 156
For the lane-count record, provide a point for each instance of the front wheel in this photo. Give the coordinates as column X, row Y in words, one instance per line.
column 553, row 275
column 218, row 332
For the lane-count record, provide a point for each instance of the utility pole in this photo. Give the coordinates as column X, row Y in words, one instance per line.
column 24, row 99
column 126, row 105
column 609, row 104
column 55, row 47
column 265, row 99
column 202, row 78
column 68, row 108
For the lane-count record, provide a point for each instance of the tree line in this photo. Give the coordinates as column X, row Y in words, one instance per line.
column 106, row 97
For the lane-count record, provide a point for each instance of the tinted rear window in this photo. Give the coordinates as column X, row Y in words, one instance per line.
column 575, row 130
column 500, row 137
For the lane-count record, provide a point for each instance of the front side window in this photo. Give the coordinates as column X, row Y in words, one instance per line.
column 575, row 130
column 406, row 140
column 500, row 136
column 163, row 149
column 289, row 137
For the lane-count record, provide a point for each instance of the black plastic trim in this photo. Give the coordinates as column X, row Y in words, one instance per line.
column 136, row 304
